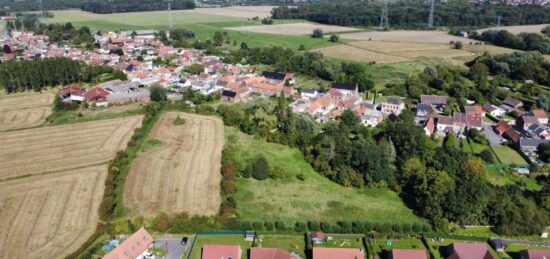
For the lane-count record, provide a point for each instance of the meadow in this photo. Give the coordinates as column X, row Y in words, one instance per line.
column 204, row 23
column 316, row 198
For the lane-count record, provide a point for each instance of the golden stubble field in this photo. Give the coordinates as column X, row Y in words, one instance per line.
column 184, row 174
column 49, row 216
column 50, row 149
column 24, row 110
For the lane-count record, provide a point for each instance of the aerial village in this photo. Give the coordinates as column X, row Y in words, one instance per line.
column 240, row 83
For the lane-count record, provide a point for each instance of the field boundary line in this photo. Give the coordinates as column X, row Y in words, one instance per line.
column 52, row 172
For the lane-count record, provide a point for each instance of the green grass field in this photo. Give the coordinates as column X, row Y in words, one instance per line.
column 502, row 177
column 395, row 73
column 203, row 25
column 316, row 198
column 219, row 240
column 343, row 241
column 509, row 156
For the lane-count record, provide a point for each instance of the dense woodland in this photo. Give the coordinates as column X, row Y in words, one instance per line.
column 414, row 14
column 32, row 5
column 18, row 76
column 523, row 41
column 122, row 6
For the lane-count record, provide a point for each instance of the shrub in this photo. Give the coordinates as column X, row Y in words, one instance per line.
column 300, row 227
column 302, row 47
column 406, row 227
column 279, row 225
column 368, row 227
column 358, row 227
column 258, row 225
column 345, row 227
column 313, row 225
column 317, row 33
column 458, row 45
column 325, row 226
column 277, row 173
column 417, row 227
column 247, row 172
column 487, row 156
column 246, row 225
column 269, row 225
column 179, row 121
column 301, row 177
column 260, row 168
column 334, row 38
column 158, row 93
column 397, row 227
column 232, row 202
column 162, row 222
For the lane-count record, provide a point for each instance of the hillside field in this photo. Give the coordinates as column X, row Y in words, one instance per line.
column 58, row 148
column 49, row 216
column 316, row 198
column 203, row 22
column 20, row 111
column 183, row 175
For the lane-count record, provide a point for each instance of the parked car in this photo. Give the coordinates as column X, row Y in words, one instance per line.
column 184, row 241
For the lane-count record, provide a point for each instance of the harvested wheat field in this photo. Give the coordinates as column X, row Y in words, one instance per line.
column 49, row 149
column 406, row 36
column 184, row 174
column 348, row 52
column 49, row 216
column 24, row 110
column 305, row 28
column 536, row 28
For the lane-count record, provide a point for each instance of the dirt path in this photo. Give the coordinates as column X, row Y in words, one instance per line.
column 184, row 174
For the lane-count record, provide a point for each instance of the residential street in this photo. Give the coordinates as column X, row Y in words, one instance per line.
column 492, row 136
column 172, row 246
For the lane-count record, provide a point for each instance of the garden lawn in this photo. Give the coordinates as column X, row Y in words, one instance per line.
column 316, row 198
column 343, row 241
column 291, row 243
column 473, row 147
column 203, row 25
column 503, row 177
column 381, row 247
column 219, row 240
column 509, row 156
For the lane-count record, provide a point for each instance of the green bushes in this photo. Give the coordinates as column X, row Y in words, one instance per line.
column 260, row 168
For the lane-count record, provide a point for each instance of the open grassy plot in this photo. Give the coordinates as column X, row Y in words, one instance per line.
column 518, row 28
column 509, row 156
column 219, row 240
column 472, row 147
column 203, row 22
column 183, row 175
column 50, row 149
column 294, row 28
column 24, row 110
column 501, row 177
column 316, row 198
column 394, row 73
column 294, row 243
column 382, row 247
column 353, row 53
column 49, row 216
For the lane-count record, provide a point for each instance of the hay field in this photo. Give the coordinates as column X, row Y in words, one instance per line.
column 184, row 174
column 236, row 11
column 406, row 36
column 50, row 149
column 383, row 52
column 518, row 28
column 24, row 110
column 296, row 29
column 49, row 216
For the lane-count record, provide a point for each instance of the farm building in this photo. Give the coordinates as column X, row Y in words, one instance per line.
column 135, row 246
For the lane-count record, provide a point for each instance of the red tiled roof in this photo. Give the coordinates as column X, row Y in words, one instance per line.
column 470, row 251
column 133, row 246
column 474, row 109
column 537, row 254
column 408, row 254
column 501, row 127
column 96, row 94
column 269, row 253
column 72, row 90
column 539, row 114
column 221, row 251
column 511, row 134
column 430, row 125
column 340, row 253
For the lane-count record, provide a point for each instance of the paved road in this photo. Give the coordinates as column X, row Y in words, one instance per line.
column 173, row 247
column 492, row 136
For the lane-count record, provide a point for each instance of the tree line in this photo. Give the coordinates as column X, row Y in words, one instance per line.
column 122, row 6
column 523, row 41
column 18, row 76
column 414, row 14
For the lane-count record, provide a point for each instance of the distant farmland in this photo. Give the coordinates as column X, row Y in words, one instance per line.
column 293, row 28
column 41, row 150
column 24, row 110
column 49, row 216
column 184, row 174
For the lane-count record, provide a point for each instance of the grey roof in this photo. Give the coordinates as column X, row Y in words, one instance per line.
column 423, row 107
column 530, row 142
column 434, row 99
column 394, row 101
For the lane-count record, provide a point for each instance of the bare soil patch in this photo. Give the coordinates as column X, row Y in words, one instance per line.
column 305, row 28
column 49, row 149
column 49, row 216
column 24, row 110
column 184, row 174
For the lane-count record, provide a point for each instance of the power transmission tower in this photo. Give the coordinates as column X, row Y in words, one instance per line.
column 41, row 10
column 499, row 17
column 170, row 25
column 384, row 24
column 431, row 17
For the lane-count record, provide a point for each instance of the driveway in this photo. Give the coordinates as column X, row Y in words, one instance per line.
column 492, row 136
column 173, row 247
